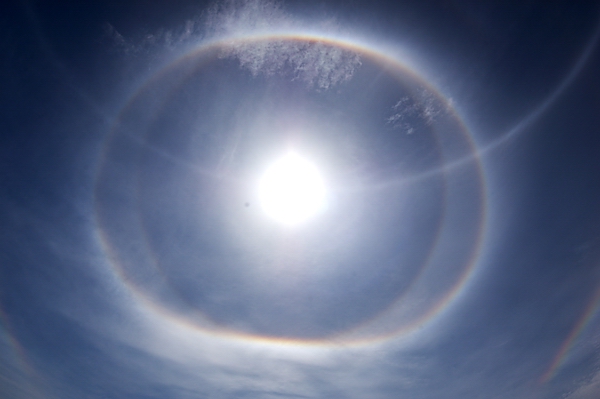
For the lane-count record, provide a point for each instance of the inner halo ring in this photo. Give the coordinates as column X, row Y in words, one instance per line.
column 164, row 313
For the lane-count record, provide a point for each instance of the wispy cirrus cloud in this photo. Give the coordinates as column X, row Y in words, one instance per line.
column 317, row 63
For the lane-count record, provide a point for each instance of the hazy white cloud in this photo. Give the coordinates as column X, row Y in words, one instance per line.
column 242, row 17
column 148, row 42
column 318, row 64
column 589, row 390
column 424, row 106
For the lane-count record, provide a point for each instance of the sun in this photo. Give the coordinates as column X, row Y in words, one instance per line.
column 291, row 191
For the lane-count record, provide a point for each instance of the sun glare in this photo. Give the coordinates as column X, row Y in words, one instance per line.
column 291, row 191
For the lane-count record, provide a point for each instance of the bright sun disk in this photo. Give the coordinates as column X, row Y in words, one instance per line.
column 291, row 190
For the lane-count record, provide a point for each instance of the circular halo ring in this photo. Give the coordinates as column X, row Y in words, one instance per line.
column 355, row 336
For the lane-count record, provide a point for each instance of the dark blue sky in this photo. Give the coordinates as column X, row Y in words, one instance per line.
column 458, row 255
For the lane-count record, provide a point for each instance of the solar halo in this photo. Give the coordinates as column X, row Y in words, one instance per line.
column 138, row 267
